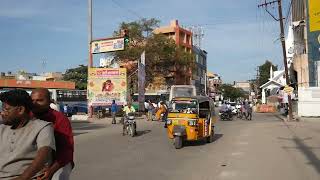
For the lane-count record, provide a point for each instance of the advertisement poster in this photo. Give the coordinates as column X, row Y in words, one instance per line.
column 107, row 84
column 141, row 82
column 314, row 15
column 109, row 45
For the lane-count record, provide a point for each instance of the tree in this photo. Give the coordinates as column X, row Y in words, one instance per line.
column 264, row 71
column 79, row 75
column 162, row 54
column 228, row 91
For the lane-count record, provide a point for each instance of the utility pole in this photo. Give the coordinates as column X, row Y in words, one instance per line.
column 282, row 38
column 90, row 59
column 89, row 32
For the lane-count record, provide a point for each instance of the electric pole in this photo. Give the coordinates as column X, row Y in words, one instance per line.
column 90, row 59
column 282, row 38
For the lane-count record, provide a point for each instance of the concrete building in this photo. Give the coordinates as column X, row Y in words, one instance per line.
column 300, row 57
column 200, row 71
column 183, row 38
column 214, row 82
column 245, row 85
column 306, row 55
column 27, row 80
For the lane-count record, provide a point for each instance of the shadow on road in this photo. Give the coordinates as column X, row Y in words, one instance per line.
column 202, row 142
column 140, row 133
column 217, row 137
column 306, row 150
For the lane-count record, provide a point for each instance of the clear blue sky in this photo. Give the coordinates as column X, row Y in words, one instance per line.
column 238, row 35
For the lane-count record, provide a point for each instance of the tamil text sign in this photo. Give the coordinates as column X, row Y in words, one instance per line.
column 108, row 45
column 107, row 84
column 141, row 81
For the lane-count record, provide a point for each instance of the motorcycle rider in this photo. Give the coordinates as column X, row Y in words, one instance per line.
column 226, row 109
column 127, row 109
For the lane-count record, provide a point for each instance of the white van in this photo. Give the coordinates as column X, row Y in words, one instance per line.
column 182, row 91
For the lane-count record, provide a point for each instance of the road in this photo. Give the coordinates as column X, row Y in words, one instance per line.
column 262, row 149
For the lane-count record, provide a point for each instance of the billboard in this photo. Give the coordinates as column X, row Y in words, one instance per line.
column 314, row 15
column 107, row 45
column 107, row 84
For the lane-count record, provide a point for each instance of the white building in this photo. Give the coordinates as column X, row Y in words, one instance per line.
column 276, row 81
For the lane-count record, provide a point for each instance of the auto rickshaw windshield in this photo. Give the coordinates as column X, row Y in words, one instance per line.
column 190, row 107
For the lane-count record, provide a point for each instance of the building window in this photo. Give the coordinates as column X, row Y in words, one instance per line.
column 188, row 39
column 182, row 37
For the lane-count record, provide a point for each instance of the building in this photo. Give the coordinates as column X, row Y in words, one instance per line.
column 214, row 82
column 306, row 55
column 183, row 38
column 200, row 71
column 300, row 68
column 30, row 81
column 276, row 81
column 7, row 75
column 244, row 85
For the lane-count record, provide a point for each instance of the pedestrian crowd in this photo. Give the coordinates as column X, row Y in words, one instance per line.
column 155, row 111
column 36, row 140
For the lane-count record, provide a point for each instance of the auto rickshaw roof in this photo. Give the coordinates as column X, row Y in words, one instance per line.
column 198, row 98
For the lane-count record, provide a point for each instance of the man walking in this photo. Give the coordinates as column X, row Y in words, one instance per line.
column 150, row 111
column 26, row 144
column 63, row 163
column 65, row 109
column 114, row 110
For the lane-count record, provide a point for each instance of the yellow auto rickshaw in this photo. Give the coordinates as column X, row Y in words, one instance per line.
column 191, row 119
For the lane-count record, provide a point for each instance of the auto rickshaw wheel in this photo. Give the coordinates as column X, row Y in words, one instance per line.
column 178, row 142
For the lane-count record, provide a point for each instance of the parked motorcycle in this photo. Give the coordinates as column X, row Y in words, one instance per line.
column 129, row 125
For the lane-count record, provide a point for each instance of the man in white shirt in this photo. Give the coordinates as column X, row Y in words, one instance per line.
column 26, row 144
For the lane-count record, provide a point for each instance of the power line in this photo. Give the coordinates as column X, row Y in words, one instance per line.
column 129, row 10
column 280, row 19
column 287, row 16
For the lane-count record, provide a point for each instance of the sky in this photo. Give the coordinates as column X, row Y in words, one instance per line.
column 52, row 36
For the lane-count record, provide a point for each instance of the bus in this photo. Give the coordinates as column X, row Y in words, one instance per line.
column 75, row 99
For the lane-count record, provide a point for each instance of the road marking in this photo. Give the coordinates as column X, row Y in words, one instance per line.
column 237, row 153
column 227, row 174
column 243, row 143
column 244, row 135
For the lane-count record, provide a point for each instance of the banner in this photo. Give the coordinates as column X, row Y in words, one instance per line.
column 141, row 81
column 107, row 84
column 109, row 45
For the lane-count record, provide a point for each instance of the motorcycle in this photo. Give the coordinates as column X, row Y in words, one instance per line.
column 225, row 115
column 129, row 125
column 234, row 111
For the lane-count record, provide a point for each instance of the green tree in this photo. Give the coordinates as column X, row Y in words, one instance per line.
column 228, row 91
column 264, row 71
column 162, row 54
column 79, row 75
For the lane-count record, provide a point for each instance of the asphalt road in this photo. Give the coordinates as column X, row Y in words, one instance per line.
column 262, row 149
